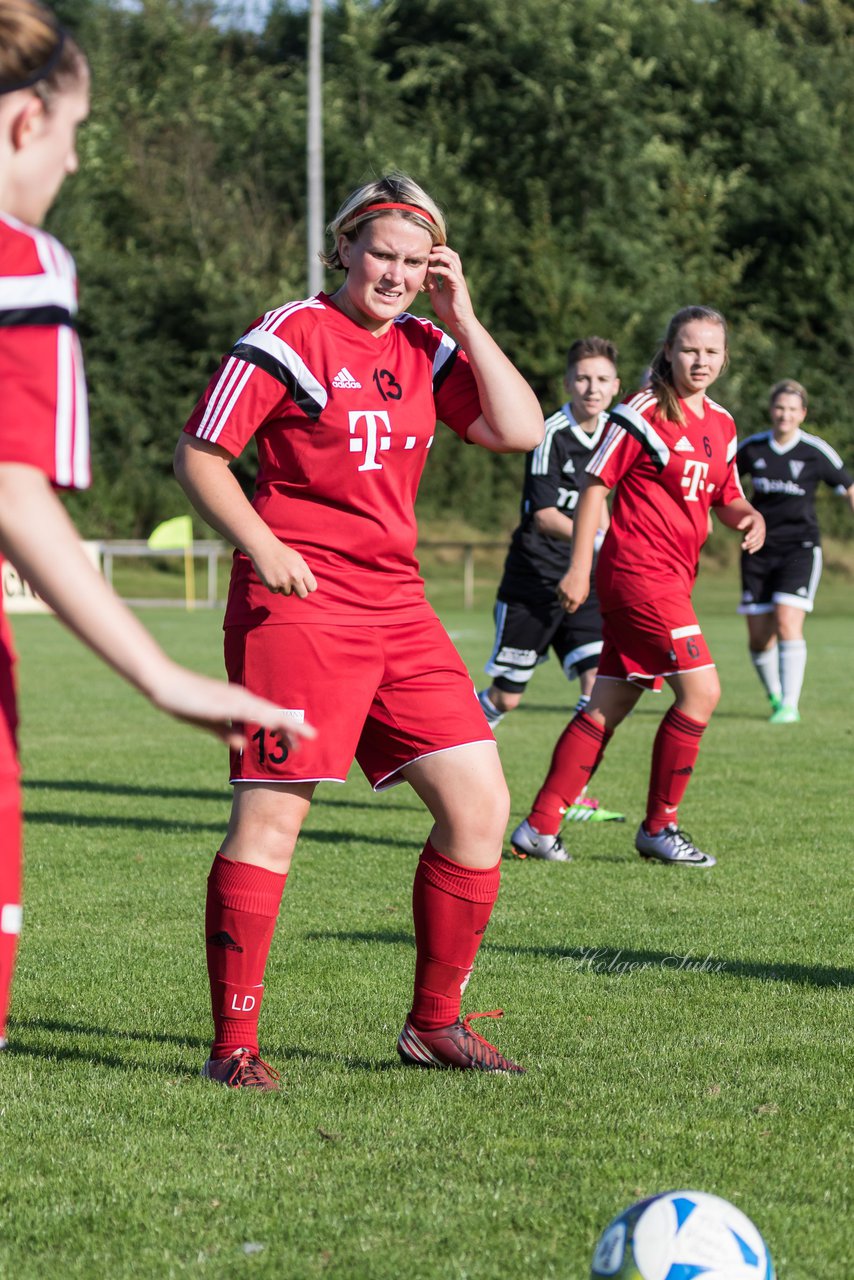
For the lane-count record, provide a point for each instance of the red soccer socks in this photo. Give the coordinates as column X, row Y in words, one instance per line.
column 10, row 894
column 242, row 906
column 574, row 761
column 674, row 754
column 451, row 906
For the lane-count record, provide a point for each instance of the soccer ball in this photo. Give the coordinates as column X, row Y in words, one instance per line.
column 682, row 1235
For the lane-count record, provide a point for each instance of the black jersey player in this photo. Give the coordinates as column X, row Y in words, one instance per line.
column 785, row 466
column 529, row 617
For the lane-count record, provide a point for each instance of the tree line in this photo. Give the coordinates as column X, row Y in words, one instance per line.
column 602, row 164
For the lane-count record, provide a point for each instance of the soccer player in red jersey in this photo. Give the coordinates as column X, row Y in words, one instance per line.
column 44, row 97
column 669, row 456
column 326, row 609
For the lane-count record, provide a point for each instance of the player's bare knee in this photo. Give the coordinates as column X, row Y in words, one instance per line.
column 504, row 701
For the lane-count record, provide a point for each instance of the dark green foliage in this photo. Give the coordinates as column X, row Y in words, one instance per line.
column 603, row 163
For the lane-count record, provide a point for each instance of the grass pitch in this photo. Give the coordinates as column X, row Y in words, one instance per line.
column 679, row 1028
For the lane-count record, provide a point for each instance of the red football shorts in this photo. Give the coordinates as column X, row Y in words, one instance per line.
column 647, row 642
column 384, row 696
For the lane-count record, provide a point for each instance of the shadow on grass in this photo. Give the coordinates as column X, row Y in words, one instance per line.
column 55, row 818
column 321, row 800
column 607, row 961
column 124, row 789
column 648, row 710
column 191, row 1044
column 85, row 1029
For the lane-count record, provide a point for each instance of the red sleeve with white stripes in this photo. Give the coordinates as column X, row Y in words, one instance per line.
column 239, row 398
column 44, row 418
column 615, row 456
column 455, row 390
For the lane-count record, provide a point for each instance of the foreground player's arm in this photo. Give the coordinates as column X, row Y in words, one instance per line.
column 204, row 475
column 557, row 524
column 739, row 514
column 37, row 536
column 574, row 588
column 511, row 420
column 554, row 523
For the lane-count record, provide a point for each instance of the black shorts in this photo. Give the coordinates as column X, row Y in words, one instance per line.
column 524, row 633
column 780, row 575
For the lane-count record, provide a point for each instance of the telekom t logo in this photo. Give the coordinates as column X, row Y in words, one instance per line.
column 372, row 442
column 693, row 478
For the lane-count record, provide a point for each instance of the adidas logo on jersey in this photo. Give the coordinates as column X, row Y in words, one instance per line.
column 760, row 462
column 345, row 380
column 683, row 446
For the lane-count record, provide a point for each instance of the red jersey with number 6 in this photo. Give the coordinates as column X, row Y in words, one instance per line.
column 665, row 477
column 343, row 423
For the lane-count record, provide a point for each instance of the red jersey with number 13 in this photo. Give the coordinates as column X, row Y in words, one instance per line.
column 666, row 476
column 343, row 422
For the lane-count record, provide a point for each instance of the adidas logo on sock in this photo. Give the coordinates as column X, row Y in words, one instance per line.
column 683, row 446
column 345, row 380
column 224, row 940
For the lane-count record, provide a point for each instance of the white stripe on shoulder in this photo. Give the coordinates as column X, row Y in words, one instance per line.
column 263, row 340
column 719, row 408
column 447, row 347
column 540, row 456
column 54, row 286
column 612, row 438
column 271, row 319
column 759, row 437
column 631, row 417
column 640, row 401
column 237, row 373
column 823, row 447
column 48, row 290
column 234, row 377
column 732, row 449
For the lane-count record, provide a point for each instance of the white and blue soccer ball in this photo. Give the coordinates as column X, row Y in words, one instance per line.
column 682, row 1235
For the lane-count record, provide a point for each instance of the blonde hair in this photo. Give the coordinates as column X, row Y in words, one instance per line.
column 788, row 387
column 661, row 370
column 393, row 188
column 35, row 51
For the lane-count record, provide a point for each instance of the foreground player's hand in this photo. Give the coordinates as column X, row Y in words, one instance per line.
column 222, row 708
column 753, row 527
column 284, row 571
column 446, row 285
column 572, row 590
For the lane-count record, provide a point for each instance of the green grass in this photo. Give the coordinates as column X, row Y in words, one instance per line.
column 647, row 1068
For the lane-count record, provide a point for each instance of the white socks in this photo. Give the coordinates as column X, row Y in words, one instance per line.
column 793, row 665
column 767, row 664
column 489, row 709
column 781, row 670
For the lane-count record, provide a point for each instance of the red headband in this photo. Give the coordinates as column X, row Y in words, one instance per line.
column 410, row 208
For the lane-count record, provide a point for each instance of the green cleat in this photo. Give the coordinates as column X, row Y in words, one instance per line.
column 590, row 810
column 786, row 715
